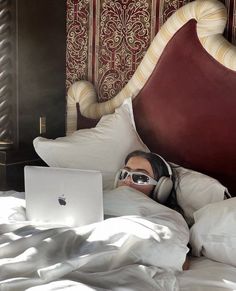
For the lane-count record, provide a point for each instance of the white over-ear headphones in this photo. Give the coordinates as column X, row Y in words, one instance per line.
column 164, row 185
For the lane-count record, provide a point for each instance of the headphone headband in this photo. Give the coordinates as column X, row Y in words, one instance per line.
column 167, row 165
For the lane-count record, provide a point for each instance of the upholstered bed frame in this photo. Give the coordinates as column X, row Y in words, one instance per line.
column 184, row 94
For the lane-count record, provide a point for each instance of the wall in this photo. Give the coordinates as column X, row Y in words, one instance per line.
column 106, row 40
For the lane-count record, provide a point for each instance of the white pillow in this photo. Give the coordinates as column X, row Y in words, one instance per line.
column 103, row 147
column 214, row 233
column 195, row 190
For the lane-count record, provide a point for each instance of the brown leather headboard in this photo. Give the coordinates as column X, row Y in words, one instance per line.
column 190, row 119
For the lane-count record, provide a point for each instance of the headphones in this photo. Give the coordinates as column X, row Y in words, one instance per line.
column 164, row 185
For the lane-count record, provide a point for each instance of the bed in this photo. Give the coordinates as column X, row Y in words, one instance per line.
column 180, row 103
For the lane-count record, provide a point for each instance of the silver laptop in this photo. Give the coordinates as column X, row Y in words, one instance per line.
column 63, row 196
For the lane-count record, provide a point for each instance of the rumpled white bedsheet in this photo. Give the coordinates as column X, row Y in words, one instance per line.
column 141, row 247
column 207, row 275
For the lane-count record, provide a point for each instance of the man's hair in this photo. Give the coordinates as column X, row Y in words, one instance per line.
column 159, row 167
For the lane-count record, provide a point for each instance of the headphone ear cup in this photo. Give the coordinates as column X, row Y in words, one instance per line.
column 162, row 190
column 116, row 179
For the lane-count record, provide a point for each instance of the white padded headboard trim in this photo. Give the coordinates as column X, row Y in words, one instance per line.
column 211, row 17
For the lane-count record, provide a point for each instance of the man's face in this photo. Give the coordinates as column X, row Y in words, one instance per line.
column 138, row 164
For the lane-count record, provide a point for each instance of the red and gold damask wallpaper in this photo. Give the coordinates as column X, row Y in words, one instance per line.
column 107, row 39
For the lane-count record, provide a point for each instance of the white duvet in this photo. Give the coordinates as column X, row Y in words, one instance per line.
column 140, row 247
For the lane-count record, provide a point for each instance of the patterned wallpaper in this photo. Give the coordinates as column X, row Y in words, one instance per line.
column 107, row 39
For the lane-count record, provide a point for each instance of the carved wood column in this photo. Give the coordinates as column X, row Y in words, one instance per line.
column 7, row 69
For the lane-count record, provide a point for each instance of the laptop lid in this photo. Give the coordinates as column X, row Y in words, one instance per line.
column 63, row 196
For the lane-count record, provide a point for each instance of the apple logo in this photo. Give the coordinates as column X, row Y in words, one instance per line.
column 62, row 200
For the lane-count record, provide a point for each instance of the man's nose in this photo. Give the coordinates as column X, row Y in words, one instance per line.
column 128, row 180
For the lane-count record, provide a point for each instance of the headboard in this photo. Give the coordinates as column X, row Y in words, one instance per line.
column 184, row 93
